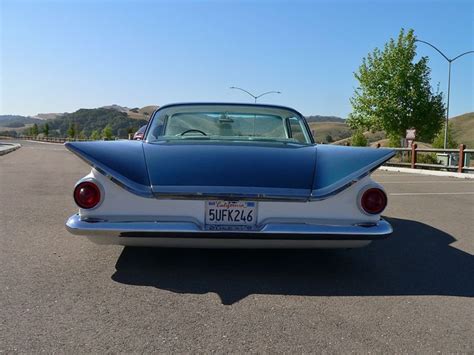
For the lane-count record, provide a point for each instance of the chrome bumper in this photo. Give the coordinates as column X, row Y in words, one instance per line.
column 190, row 230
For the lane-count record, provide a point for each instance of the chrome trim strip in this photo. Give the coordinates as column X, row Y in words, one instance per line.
column 230, row 193
column 188, row 229
column 122, row 181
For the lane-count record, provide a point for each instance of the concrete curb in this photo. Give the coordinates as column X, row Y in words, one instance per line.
column 427, row 172
column 6, row 148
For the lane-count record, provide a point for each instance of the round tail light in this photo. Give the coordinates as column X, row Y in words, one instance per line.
column 373, row 201
column 87, row 195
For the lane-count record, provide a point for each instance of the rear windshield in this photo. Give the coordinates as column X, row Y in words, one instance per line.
column 221, row 122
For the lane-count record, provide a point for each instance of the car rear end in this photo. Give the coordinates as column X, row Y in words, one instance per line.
column 347, row 220
column 229, row 175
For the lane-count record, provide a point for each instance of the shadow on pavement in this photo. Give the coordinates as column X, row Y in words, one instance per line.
column 416, row 260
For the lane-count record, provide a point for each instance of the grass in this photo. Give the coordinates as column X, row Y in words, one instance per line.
column 463, row 129
column 337, row 130
column 143, row 114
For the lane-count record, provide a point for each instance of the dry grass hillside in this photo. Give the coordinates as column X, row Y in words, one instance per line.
column 323, row 130
column 143, row 113
column 463, row 128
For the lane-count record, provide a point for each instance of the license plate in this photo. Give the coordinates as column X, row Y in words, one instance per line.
column 223, row 215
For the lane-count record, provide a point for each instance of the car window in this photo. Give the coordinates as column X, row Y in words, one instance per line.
column 226, row 125
column 298, row 130
column 227, row 122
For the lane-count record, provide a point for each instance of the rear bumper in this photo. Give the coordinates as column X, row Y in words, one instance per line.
column 189, row 234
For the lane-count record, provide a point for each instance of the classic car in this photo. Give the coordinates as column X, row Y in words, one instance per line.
column 140, row 133
column 229, row 175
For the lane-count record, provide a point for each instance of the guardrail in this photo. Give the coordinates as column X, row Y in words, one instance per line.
column 441, row 159
column 45, row 139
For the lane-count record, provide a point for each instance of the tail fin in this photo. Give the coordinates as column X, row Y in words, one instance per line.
column 121, row 161
column 338, row 167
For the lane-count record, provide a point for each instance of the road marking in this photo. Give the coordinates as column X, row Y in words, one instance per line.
column 377, row 175
column 40, row 142
column 430, row 193
column 59, row 149
column 423, row 182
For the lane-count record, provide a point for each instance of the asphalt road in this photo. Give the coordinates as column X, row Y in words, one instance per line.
column 61, row 293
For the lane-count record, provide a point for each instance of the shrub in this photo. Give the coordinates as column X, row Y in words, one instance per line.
column 358, row 139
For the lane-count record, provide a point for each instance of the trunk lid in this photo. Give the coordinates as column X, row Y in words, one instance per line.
column 230, row 170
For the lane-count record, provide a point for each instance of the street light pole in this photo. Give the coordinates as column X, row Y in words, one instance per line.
column 447, row 106
column 450, row 60
column 255, row 97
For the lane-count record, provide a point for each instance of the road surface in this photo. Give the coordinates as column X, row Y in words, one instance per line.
column 61, row 293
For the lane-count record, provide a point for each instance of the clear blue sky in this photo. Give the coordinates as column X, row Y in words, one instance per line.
column 59, row 56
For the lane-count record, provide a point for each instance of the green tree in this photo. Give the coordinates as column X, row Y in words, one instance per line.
column 122, row 133
column 46, row 129
column 95, row 135
column 329, row 138
column 438, row 141
column 82, row 135
column 34, row 130
column 93, row 119
column 394, row 92
column 71, row 131
column 358, row 139
column 107, row 132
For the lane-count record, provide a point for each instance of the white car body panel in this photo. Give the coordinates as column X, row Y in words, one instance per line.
column 118, row 204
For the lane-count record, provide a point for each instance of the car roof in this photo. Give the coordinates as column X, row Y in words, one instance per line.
column 229, row 104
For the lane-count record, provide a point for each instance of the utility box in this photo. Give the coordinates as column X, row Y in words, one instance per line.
column 454, row 159
column 451, row 159
column 467, row 159
column 442, row 158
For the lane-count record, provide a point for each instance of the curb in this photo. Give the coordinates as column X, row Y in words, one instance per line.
column 10, row 147
column 427, row 172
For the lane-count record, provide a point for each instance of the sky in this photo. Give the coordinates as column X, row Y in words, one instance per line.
column 59, row 56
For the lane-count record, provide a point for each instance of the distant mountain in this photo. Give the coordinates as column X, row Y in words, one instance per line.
column 49, row 116
column 318, row 118
column 86, row 121
column 15, row 121
column 143, row 113
column 136, row 112
column 116, row 108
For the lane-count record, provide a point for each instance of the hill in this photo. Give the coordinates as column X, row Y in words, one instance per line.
column 318, row 118
column 116, row 108
column 463, row 128
column 134, row 113
column 15, row 121
column 328, row 132
column 49, row 116
column 88, row 120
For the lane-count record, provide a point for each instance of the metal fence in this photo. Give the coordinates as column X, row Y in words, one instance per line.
column 436, row 159
column 45, row 139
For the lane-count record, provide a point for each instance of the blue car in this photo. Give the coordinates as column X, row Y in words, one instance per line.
column 227, row 175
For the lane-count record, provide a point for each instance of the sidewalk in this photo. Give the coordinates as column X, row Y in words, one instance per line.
column 6, row 148
column 427, row 172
